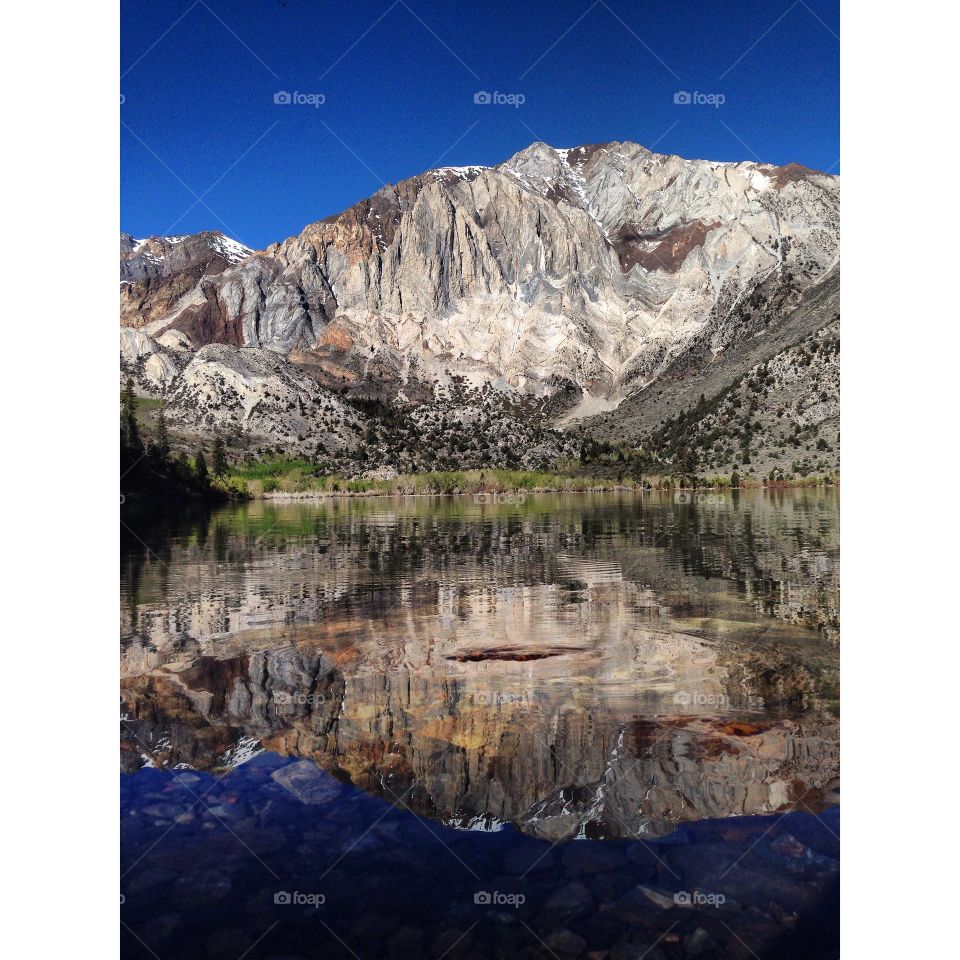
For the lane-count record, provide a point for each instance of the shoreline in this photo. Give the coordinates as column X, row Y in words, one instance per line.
column 518, row 494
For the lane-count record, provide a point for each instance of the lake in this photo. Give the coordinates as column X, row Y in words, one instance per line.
column 600, row 726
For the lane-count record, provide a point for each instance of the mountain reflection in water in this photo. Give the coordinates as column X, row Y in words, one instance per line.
column 602, row 667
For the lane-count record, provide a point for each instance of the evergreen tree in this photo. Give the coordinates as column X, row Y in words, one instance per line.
column 162, row 443
column 200, row 468
column 687, row 463
column 220, row 464
column 183, row 469
column 129, row 434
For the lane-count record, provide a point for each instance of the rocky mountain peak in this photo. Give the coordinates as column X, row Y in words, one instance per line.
column 158, row 255
column 587, row 273
column 157, row 272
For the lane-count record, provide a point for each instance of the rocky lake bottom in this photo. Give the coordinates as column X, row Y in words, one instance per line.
column 216, row 867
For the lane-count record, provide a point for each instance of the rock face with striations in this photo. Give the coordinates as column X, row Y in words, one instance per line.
column 160, row 275
column 584, row 274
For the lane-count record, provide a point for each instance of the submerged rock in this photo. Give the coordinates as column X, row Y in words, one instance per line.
column 451, row 942
column 571, row 901
column 636, row 951
column 228, row 944
column 661, row 898
column 530, row 858
column 202, row 886
column 307, row 782
column 592, row 856
column 566, row 942
column 700, row 941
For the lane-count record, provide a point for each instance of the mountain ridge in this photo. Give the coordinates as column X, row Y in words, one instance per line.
column 577, row 276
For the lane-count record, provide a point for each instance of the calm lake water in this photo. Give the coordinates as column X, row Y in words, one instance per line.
column 594, row 726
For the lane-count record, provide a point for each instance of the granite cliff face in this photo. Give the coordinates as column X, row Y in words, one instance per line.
column 581, row 275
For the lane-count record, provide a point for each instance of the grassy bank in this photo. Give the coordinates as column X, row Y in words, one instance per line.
column 299, row 478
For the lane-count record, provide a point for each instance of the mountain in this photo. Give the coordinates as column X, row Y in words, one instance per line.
column 159, row 273
column 771, row 402
column 583, row 280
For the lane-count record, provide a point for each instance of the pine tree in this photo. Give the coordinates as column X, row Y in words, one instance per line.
column 183, row 469
column 220, row 464
column 129, row 434
column 687, row 462
column 162, row 443
column 200, row 468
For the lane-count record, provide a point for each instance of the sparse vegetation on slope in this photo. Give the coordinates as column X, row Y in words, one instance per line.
column 781, row 420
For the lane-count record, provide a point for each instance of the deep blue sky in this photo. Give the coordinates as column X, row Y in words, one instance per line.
column 198, row 98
